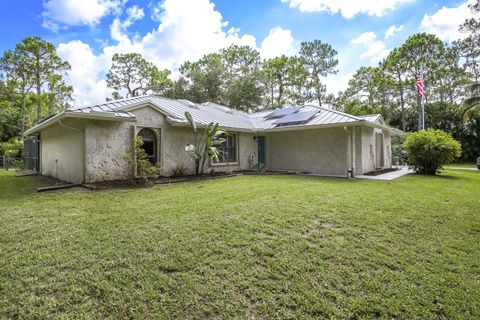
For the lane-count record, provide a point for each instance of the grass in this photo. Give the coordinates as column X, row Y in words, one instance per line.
column 245, row 247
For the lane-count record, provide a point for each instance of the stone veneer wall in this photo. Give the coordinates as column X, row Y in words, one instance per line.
column 107, row 150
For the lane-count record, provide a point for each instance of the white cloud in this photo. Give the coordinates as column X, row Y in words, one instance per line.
column 392, row 30
column 278, row 42
column 337, row 82
column 77, row 12
column 445, row 22
column 187, row 30
column 347, row 8
column 376, row 49
column 88, row 71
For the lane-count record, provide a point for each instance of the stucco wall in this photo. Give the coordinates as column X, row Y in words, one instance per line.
column 358, row 151
column 174, row 140
column 107, row 147
column 387, row 141
column 322, row 151
column 62, row 152
column 369, row 147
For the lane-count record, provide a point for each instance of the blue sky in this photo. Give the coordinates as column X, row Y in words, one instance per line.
column 88, row 32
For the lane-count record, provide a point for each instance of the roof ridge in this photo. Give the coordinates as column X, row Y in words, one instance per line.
column 338, row 112
column 112, row 101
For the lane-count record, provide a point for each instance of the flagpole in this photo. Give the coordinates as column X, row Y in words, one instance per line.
column 422, row 101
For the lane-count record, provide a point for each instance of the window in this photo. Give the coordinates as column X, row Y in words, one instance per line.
column 228, row 149
column 149, row 144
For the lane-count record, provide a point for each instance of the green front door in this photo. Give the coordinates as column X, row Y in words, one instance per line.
column 261, row 149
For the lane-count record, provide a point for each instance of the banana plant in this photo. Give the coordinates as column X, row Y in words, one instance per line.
column 472, row 104
column 205, row 147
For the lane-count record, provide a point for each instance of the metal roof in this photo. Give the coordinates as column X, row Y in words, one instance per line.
column 373, row 118
column 209, row 112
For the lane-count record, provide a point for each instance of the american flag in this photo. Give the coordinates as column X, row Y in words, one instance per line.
column 420, row 85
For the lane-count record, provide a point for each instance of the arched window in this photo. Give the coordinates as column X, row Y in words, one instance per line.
column 149, row 144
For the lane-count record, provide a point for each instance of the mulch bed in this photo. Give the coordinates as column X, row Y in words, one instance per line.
column 102, row 185
column 379, row 172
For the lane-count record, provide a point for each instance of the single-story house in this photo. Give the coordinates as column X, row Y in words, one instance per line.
column 89, row 144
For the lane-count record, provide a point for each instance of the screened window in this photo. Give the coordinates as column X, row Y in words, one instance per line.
column 228, row 149
column 149, row 144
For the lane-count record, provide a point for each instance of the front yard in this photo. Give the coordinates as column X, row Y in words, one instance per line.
column 249, row 246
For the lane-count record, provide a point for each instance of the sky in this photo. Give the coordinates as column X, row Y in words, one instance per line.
column 88, row 32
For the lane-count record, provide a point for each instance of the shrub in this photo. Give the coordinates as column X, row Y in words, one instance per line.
column 429, row 149
column 144, row 169
column 11, row 148
column 399, row 155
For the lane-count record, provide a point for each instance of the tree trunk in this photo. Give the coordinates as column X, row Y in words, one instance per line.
column 402, row 109
column 39, row 91
column 22, row 116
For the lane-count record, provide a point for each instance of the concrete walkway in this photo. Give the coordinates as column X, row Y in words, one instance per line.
column 389, row 175
column 459, row 168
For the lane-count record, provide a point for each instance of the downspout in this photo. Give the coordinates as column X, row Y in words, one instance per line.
column 350, row 151
column 353, row 158
column 134, row 153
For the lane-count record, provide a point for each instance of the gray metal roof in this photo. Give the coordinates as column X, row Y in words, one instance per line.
column 373, row 118
column 206, row 113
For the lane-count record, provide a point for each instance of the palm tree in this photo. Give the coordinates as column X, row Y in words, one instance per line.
column 472, row 104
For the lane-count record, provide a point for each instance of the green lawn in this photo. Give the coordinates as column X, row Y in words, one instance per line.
column 244, row 247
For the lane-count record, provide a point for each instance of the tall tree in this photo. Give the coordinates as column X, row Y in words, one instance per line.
column 394, row 66
column 242, row 86
column 319, row 61
column 421, row 51
column 59, row 95
column 284, row 78
column 131, row 72
column 204, row 78
column 41, row 58
column 470, row 46
column 19, row 80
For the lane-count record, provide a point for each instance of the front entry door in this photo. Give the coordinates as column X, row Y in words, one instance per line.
column 261, row 149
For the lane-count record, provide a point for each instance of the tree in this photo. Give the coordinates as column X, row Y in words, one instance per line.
column 429, row 149
column 59, row 95
column 395, row 68
column 19, row 80
column 421, row 51
column 41, row 59
column 284, row 78
column 131, row 72
column 204, row 149
column 204, row 78
column 472, row 103
column 319, row 61
column 242, row 86
column 470, row 46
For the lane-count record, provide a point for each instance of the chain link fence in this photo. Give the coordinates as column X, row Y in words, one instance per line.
column 10, row 163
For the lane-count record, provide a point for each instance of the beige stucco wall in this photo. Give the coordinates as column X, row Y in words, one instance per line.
column 62, row 152
column 175, row 139
column 322, row 151
column 368, row 147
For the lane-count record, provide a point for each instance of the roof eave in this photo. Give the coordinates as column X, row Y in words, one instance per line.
column 106, row 116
